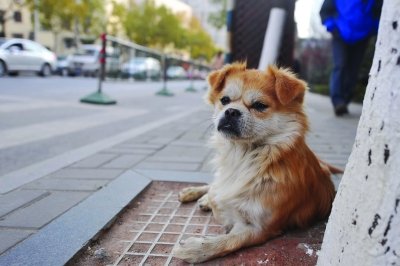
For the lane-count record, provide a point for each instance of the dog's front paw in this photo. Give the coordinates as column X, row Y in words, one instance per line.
column 188, row 194
column 204, row 204
column 190, row 250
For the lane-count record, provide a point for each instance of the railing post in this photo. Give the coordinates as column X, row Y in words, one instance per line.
column 191, row 86
column 164, row 91
column 99, row 97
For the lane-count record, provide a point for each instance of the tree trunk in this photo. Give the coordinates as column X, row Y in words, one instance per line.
column 55, row 36
column 77, row 35
column 364, row 227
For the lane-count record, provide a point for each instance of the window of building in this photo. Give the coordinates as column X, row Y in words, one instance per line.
column 17, row 35
column 17, row 16
column 69, row 42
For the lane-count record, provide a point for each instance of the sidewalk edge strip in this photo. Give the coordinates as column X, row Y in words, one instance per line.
column 59, row 241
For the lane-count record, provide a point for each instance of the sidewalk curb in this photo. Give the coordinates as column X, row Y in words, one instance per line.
column 59, row 241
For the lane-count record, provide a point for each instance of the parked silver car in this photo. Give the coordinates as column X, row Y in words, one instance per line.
column 141, row 68
column 24, row 55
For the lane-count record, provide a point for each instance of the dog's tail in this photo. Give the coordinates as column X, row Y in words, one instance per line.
column 332, row 169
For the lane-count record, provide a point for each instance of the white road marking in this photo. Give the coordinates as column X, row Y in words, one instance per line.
column 41, row 131
column 35, row 171
column 17, row 107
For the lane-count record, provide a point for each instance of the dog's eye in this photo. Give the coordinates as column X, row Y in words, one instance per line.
column 259, row 106
column 225, row 100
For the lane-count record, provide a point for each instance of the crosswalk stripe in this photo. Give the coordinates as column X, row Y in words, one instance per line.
column 35, row 171
column 41, row 131
column 17, row 107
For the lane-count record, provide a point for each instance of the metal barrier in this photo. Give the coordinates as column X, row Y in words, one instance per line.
column 124, row 60
column 128, row 60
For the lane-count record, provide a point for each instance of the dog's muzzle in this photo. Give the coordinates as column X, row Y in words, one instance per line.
column 229, row 123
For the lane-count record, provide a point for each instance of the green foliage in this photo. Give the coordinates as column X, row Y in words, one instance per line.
column 149, row 25
column 218, row 18
column 118, row 14
column 199, row 42
column 58, row 15
column 158, row 27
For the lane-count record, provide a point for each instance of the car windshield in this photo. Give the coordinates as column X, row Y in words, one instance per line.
column 137, row 61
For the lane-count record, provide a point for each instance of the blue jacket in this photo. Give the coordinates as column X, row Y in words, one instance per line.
column 354, row 20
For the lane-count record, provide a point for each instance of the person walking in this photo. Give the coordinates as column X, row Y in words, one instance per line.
column 218, row 61
column 351, row 23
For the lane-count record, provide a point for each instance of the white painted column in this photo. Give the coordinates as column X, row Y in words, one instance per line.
column 364, row 227
column 272, row 39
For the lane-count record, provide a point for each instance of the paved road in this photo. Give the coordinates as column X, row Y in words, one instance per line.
column 42, row 117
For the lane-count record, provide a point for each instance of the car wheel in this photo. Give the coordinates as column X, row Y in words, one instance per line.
column 3, row 69
column 13, row 73
column 46, row 70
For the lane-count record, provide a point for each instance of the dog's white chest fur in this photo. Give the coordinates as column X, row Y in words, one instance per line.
column 233, row 191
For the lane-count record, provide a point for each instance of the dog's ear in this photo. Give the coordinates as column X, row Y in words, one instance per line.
column 288, row 87
column 216, row 79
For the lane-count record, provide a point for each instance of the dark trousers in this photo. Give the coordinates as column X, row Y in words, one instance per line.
column 347, row 59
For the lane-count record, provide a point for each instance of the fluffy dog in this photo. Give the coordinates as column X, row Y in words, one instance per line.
column 267, row 179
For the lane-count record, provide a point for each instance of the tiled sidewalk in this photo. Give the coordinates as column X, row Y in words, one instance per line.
column 176, row 146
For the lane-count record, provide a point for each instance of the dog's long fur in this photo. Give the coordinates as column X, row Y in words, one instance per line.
column 267, row 179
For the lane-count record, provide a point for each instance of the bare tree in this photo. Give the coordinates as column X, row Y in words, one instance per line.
column 364, row 227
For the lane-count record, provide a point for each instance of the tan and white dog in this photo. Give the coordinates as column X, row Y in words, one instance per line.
column 267, row 179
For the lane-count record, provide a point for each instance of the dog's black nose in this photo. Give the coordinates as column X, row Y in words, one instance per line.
column 229, row 123
column 232, row 113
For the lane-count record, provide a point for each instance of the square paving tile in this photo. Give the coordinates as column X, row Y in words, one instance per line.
column 146, row 233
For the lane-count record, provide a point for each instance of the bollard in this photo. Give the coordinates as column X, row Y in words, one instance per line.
column 99, row 97
column 164, row 91
column 191, row 86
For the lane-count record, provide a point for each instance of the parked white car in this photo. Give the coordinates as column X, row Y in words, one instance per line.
column 24, row 55
column 86, row 61
column 176, row 72
column 141, row 68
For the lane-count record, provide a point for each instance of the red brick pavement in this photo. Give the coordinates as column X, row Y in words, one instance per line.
column 147, row 231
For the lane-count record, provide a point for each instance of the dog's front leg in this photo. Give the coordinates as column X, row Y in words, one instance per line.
column 192, row 193
column 195, row 250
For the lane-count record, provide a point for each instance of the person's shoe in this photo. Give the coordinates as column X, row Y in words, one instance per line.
column 341, row 109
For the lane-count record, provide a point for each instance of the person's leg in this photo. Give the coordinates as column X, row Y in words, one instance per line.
column 339, row 49
column 356, row 54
